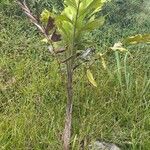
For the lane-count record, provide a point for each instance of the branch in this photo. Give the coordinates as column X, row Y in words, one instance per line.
column 51, row 38
column 33, row 19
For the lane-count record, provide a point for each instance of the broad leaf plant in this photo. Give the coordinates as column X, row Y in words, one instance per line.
column 65, row 33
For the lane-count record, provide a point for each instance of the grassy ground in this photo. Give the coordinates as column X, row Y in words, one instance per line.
column 32, row 96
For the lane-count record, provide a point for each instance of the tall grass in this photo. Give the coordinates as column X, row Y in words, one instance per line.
column 33, row 99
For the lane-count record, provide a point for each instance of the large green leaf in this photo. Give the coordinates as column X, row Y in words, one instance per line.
column 65, row 27
column 91, row 6
column 71, row 3
column 70, row 12
column 63, row 18
column 93, row 24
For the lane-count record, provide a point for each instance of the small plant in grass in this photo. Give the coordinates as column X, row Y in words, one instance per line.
column 64, row 33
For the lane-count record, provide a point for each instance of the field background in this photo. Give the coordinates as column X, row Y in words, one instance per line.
column 33, row 98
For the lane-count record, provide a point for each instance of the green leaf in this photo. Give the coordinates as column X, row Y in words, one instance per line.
column 145, row 38
column 66, row 30
column 70, row 12
column 92, row 6
column 45, row 15
column 103, row 61
column 65, row 22
column 62, row 18
column 91, row 78
column 71, row 3
column 93, row 24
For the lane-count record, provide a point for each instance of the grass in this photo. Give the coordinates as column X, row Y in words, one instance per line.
column 33, row 97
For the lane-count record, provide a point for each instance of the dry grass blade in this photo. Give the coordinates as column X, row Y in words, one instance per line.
column 33, row 19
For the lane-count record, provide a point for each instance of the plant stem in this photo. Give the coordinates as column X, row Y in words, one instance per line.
column 68, row 118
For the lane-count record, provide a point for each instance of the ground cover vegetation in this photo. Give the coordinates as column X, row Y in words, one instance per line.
column 33, row 100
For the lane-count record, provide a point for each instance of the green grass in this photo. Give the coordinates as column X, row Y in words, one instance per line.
column 33, row 97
